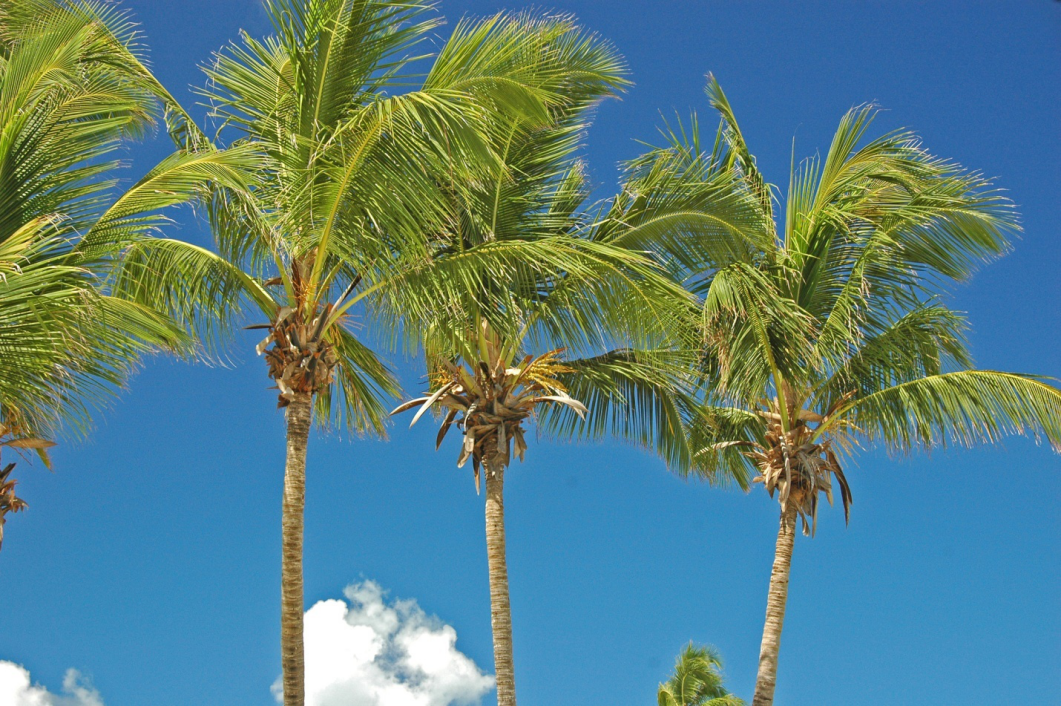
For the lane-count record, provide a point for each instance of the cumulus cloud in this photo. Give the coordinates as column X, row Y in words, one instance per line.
column 366, row 651
column 17, row 690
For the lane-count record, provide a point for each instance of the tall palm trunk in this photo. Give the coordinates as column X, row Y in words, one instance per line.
column 500, row 615
column 299, row 418
column 775, row 609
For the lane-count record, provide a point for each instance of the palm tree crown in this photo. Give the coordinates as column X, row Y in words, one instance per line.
column 835, row 334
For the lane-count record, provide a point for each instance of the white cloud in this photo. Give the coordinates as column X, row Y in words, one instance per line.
column 368, row 652
column 16, row 689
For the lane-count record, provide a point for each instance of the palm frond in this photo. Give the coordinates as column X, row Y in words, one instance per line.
column 965, row 407
column 641, row 396
column 739, row 156
column 697, row 680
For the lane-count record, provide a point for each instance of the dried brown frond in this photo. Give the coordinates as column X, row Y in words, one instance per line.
column 488, row 400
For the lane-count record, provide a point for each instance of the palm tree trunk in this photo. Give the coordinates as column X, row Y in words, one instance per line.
column 775, row 609
column 299, row 418
column 500, row 615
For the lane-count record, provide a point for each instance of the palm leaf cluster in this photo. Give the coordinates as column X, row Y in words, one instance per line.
column 697, row 681
column 74, row 88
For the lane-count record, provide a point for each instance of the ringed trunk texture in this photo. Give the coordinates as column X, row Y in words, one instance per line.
column 500, row 615
column 299, row 418
column 775, row 610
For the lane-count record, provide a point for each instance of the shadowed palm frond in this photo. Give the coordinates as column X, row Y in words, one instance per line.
column 641, row 396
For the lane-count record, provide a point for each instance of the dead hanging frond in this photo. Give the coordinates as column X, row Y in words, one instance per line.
column 9, row 502
column 798, row 465
column 489, row 399
column 14, row 436
column 299, row 356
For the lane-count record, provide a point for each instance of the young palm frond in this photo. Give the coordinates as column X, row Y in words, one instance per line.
column 697, row 681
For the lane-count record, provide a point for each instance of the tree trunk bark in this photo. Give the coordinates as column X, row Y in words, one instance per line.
column 292, row 605
column 775, row 610
column 500, row 615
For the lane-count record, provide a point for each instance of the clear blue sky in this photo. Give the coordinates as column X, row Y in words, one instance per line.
column 150, row 558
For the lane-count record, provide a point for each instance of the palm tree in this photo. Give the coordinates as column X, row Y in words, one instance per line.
column 697, row 681
column 350, row 191
column 579, row 331
column 73, row 90
column 833, row 335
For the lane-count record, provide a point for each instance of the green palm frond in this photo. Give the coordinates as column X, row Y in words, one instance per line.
column 721, row 438
column 921, row 342
column 965, row 407
column 73, row 89
column 192, row 285
column 738, row 156
column 758, row 336
column 687, row 212
column 697, row 680
column 889, row 215
column 641, row 396
column 363, row 384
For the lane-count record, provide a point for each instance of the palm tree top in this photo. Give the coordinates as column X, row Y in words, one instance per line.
column 490, row 401
column 832, row 333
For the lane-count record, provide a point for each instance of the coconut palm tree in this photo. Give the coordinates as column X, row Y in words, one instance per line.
column 697, row 681
column 351, row 190
column 581, row 332
column 74, row 90
column 834, row 335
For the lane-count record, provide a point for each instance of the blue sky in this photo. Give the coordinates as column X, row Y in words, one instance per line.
column 149, row 560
